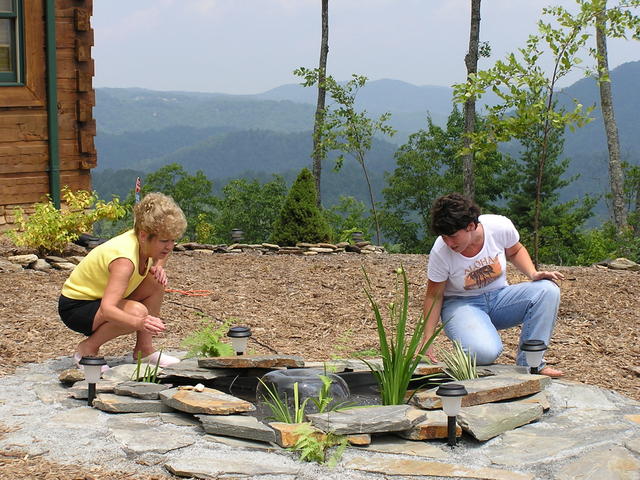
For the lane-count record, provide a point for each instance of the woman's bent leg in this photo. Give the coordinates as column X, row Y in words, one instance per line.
column 466, row 322
column 532, row 304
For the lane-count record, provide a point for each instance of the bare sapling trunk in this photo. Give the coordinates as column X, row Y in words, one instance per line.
column 320, row 105
column 471, row 62
column 616, row 176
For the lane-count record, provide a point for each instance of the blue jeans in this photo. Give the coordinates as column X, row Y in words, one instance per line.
column 474, row 321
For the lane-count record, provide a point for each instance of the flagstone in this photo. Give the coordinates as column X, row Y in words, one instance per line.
column 534, row 444
column 240, row 426
column 109, row 402
column 252, row 361
column 189, row 369
column 633, row 418
column 144, row 390
column 209, row 401
column 243, row 443
column 389, row 418
column 485, row 390
column 393, row 444
column 492, row 419
column 225, row 465
column 540, row 398
column 614, row 463
column 80, row 390
column 398, row 466
column 435, row 426
column 141, row 438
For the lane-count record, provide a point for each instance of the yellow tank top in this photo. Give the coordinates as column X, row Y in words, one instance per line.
column 88, row 281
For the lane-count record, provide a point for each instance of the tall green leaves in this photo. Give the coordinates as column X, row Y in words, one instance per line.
column 400, row 356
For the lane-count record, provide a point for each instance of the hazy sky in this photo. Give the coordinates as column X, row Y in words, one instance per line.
column 249, row 46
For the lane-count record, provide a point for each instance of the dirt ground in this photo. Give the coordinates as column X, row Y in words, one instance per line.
column 316, row 307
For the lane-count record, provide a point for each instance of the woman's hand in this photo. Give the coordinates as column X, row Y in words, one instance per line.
column 152, row 325
column 159, row 274
column 554, row 276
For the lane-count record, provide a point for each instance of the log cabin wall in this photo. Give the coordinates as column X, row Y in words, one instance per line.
column 24, row 135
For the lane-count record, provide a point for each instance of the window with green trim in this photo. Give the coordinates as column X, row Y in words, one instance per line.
column 11, row 44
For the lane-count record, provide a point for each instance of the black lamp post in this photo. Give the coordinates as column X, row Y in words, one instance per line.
column 92, row 367
column 533, row 351
column 451, row 396
column 357, row 237
column 239, row 337
column 237, row 235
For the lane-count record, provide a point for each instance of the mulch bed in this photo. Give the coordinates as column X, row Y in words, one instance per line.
column 316, row 307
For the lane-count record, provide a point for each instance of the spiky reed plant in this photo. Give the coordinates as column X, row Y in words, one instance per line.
column 279, row 406
column 399, row 356
column 459, row 364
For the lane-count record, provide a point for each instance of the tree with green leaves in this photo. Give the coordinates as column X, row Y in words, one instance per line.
column 251, row 207
column 430, row 165
column 300, row 219
column 192, row 192
column 345, row 129
column 471, row 62
column 527, row 94
column 616, row 20
column 319, row 152
column 560, row 224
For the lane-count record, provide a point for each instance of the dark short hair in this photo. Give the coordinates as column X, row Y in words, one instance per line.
column 453, row 212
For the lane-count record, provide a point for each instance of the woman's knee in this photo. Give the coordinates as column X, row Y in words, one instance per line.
column 485, row 354
column 136, row 308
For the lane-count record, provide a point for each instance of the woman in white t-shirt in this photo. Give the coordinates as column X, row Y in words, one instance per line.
column 467, row 283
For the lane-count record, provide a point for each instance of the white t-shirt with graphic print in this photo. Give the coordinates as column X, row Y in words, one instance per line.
column 484, row 272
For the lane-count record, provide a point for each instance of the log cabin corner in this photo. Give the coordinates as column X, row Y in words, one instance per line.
column 47, row 128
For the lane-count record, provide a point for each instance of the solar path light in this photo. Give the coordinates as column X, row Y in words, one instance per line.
column 533, row 351
column 239, row 337
column 451, row 396
column 92, row 367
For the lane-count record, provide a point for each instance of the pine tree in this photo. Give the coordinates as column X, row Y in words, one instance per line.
column 300, row 219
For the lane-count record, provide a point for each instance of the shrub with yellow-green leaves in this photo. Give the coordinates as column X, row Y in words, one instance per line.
column 49, row 230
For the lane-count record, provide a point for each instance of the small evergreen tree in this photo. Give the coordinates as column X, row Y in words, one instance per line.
column 300, row 219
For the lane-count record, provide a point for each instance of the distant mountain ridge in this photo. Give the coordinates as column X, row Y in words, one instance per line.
column 228, row 135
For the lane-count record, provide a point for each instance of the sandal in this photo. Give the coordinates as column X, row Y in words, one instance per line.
column 77, row 357
column 165, row 360
column 551, row 372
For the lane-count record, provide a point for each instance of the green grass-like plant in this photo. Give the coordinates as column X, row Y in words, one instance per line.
column 150, row 374
column 459, row 364
column 206, row 342
column 279, row 407
column 400, row 356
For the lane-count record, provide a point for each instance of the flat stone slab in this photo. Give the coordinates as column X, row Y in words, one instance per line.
column 390, row 418
column 144, row 390
column 80, row 390
column 108, row 402
column 252, row 361
column 614, row 463
column 392, row 444
column 492, row 419
column 243, row 443
column 209, row 401
column 487, row 390
column 140, row 438
column 398, row 466
column 287, row 434
column 223, row 465
column 240, row 426
column 537, row 443
column 435, row 426
column 189, row 369
column 429, row 369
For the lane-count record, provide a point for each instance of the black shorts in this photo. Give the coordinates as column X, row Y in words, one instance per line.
column 78, row 315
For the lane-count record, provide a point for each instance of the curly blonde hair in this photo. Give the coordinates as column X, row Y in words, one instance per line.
column 158, row 214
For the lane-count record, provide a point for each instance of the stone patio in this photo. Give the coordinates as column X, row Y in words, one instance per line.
column 555, row 430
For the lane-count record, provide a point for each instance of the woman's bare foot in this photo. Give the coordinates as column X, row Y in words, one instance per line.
column 551, row 372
